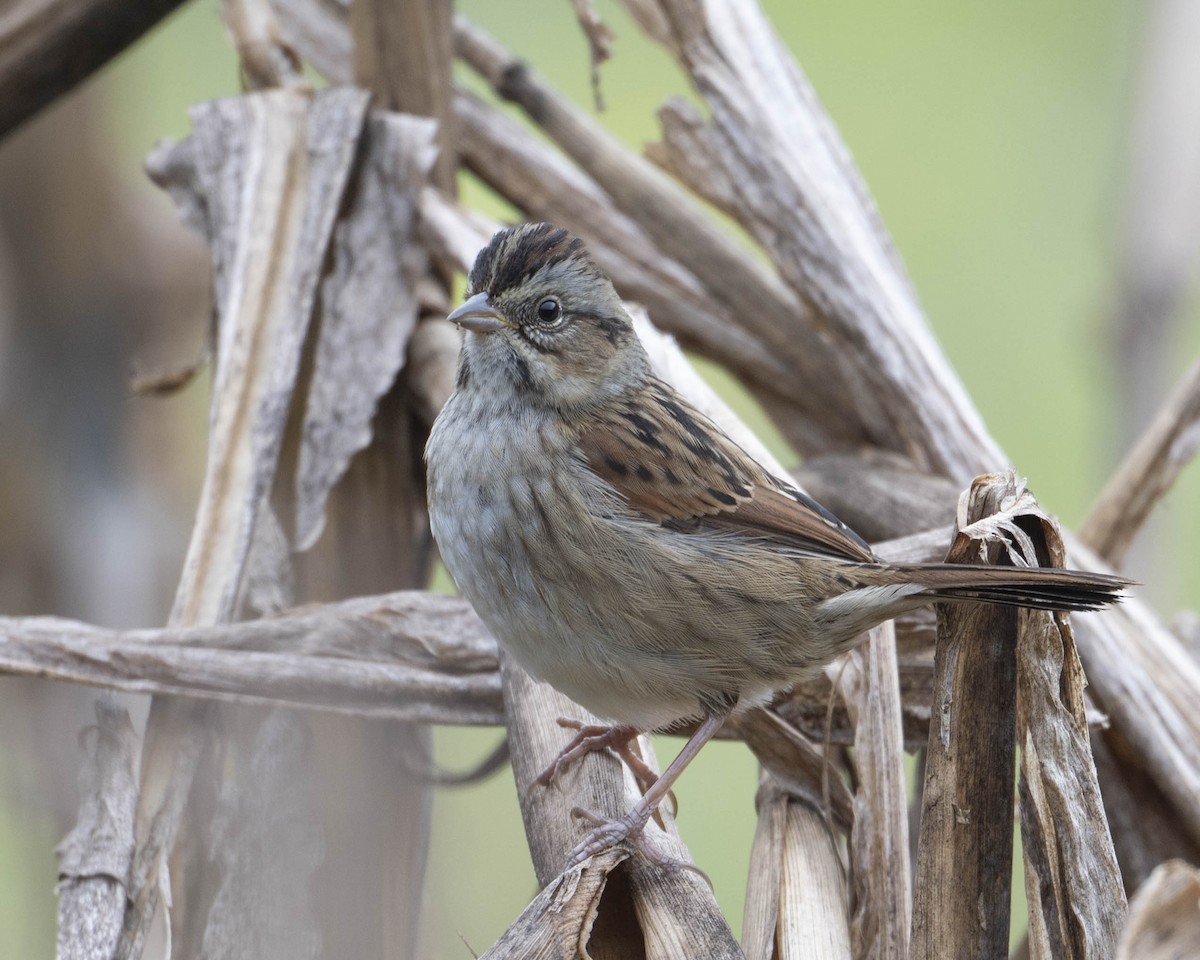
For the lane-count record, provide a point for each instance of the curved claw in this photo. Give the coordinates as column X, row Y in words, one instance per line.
column 628, row 829
column 588, row 739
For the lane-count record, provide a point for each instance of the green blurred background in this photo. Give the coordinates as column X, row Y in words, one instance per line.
column 993, row 139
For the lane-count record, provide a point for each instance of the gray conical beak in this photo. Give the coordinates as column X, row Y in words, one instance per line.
column 479, row 315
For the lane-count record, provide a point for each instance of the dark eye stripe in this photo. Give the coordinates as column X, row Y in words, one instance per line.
column 613, row 328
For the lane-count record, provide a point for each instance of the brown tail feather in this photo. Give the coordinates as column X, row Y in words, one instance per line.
column 1037, row 587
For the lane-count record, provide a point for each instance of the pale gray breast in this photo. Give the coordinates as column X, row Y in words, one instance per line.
column 510, row 507
column 493, row 483
column 634, row 621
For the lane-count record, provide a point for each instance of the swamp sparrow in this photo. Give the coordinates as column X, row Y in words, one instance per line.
column 622, row 548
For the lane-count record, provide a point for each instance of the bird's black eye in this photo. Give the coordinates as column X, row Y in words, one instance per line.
column 548, row 310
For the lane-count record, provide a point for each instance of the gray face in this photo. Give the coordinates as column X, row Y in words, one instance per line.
column 545, row 323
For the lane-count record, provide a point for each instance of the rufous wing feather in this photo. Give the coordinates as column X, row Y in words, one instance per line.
column 674, row 465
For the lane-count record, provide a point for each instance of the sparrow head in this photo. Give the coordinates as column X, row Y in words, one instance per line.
column 544, row 325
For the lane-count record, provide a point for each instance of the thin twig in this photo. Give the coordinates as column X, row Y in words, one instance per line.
column 686, row 233
column 799, row 195
column 266, row 60
column 1149, row 470
column 48, row 46
column 600, row 40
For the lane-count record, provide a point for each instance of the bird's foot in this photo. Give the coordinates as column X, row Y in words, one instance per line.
column 627, row 829
column 591, row 737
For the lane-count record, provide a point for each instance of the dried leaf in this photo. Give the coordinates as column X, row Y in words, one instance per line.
column 796, row 900
column 267, row 172
column 299, row 155
column 674, row 913
column 368, row 308
column 268, row 583
column 1073, row 884
column 961, row 890
column 557, row 923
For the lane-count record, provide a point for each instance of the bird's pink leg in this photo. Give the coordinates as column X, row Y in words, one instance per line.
column 590, row 738
column 609, row 833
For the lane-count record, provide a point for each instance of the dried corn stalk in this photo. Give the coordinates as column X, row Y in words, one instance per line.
column 334, row 234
